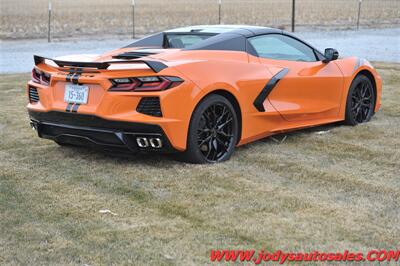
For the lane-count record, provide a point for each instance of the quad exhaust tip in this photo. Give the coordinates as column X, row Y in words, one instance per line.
column 144, row 142
column 155, row 143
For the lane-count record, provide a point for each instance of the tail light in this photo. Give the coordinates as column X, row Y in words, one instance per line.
column 45, row 78
column 35, row 75
column 149, row 83
column 40, row 77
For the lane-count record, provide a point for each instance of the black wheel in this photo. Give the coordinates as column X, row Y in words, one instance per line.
column 213, row 131
column 360, row 101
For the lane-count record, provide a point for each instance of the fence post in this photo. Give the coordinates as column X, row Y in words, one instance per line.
column 49, row 24
column 219, row 11
column 359, row 13
column 293, row 14
column 133, row 19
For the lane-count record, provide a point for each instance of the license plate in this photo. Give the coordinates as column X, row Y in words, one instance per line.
column 76, row 93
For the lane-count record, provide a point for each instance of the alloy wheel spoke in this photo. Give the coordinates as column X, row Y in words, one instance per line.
column 215, row 132
column 223, row 145
column 221, row 126
column 209, row 145
column 222, row 133
column 355, row 106
column 204, row 141
column 223, row 113
column 361, row 102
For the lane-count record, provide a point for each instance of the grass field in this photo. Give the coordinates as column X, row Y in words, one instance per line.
column 329, row 192
column 76, row 18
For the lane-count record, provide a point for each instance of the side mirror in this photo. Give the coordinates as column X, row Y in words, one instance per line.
column 330, row 55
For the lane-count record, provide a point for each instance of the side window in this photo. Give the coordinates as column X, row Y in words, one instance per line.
column 281, row 47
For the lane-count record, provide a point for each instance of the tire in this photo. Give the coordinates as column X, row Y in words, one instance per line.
column 360, row 102
column 213, row 131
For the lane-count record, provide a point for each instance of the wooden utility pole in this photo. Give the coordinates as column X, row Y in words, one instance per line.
column 219, row 11
column 133, row 19
column 49, row 24
column 359, row 14
column 293, row 14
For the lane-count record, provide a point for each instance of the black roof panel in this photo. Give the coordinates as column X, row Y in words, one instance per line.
column 227, row 37
column 219, row 29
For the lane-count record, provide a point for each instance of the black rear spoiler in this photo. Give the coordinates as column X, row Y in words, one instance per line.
column 156, row 66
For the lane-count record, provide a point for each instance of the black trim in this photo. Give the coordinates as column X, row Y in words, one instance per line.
column 150, row 106
column 155, row 40
column 83, row 120
column 75, row 108
column 133, row 55
column 258, row 102
column 68, row 77
column 156, row 66
column 69, row 107
column 61, row 63
column 75, row 78
column 221, row 37
column 93, row 131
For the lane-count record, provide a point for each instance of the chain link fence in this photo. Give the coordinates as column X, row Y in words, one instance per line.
column 75, row 18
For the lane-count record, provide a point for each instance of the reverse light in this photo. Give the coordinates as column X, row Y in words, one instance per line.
column 150, row 83
column 40, row 77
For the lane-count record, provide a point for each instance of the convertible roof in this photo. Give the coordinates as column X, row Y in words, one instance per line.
column 224, row 37
column 220, row 29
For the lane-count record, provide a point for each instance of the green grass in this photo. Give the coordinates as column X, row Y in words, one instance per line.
column 328, row 192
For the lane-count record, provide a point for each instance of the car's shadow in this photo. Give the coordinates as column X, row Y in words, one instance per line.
column 160, row 160
column 282, row 137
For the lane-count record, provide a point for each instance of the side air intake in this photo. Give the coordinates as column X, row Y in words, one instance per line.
column 150, row 106
column 33, row 95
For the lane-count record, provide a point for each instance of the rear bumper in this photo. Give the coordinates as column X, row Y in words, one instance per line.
column 96, row 132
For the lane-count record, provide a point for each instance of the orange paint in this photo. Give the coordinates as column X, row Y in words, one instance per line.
column 312, row 93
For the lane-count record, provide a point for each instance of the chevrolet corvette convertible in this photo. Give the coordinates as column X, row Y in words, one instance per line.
column 198, row 91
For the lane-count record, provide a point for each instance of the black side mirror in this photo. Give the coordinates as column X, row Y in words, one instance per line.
column 330, row 55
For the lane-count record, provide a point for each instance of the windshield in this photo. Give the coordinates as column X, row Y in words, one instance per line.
column 185, row 40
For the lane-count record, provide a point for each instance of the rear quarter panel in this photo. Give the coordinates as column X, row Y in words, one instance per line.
column 237, row 73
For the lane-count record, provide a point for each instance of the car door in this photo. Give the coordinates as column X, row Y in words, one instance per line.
column 308, row 88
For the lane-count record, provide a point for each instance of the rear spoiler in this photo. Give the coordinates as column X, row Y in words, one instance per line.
column 156, row 66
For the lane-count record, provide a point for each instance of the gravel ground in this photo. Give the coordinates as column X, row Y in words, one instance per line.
column 372, row 44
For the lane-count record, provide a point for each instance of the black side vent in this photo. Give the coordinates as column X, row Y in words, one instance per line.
column 33, row 95
column 150, row 106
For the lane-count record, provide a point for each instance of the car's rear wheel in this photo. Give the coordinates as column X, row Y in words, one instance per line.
column 213, row 131
column 360, row 101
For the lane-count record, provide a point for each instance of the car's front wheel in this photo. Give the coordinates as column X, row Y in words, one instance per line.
column 213, row 131
column 360, row 101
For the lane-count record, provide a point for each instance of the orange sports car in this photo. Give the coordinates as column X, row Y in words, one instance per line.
column 199, row 91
